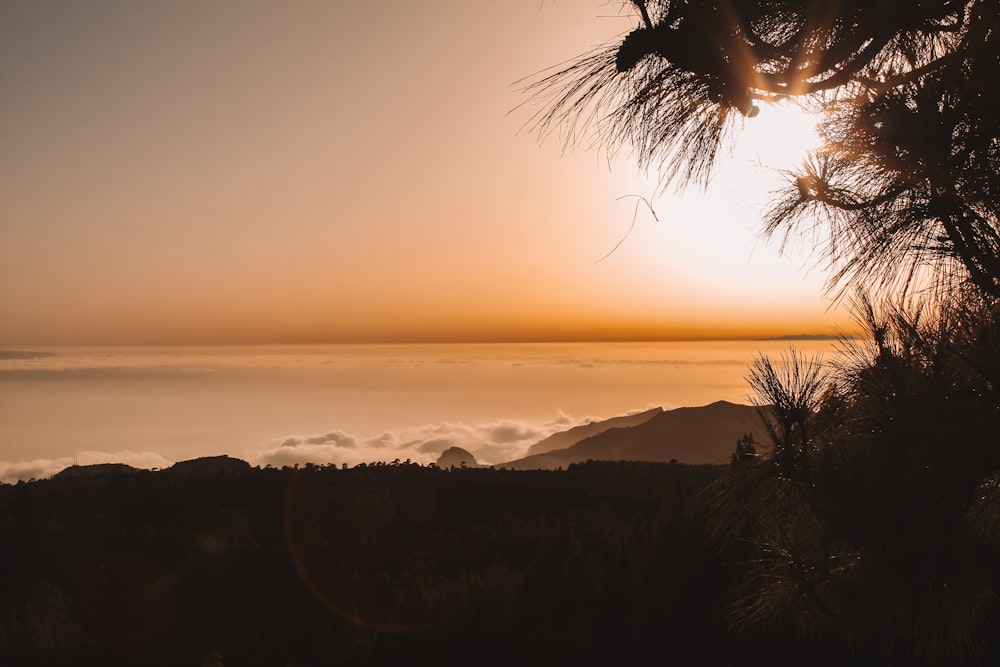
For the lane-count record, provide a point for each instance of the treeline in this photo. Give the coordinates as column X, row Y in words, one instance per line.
column 601, row 564
column 604, row 563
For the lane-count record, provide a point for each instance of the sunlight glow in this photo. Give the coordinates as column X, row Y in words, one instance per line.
column 779, row 137
column 704, row 251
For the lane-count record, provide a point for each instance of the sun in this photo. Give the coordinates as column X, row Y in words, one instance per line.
column 779, row 137
column 700, row 247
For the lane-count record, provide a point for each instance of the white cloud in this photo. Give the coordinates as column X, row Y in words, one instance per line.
column 337, row 439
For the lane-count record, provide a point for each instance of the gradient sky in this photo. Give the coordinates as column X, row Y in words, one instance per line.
column 217, row 171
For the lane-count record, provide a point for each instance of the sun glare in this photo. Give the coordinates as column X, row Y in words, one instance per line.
column 704, row 250
column 779, row 137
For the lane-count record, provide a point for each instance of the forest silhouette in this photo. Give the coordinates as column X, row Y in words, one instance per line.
column 863, row 528
column 378, row 564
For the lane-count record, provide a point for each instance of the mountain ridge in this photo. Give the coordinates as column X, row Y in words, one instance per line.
column 570, row 437
column 703, row 434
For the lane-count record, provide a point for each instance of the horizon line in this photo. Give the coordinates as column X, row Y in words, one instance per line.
column 16, row 347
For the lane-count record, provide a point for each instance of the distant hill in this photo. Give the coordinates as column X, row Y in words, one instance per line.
column 94, row 470
column 20, row 355
column 457, row 457
column 565, row 439
column 807, row 337
column 705, row 434
column 210, row 467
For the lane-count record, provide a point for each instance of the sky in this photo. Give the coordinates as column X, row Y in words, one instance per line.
column 241, row 171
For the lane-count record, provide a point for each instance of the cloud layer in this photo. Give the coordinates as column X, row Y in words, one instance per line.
column 491, row 443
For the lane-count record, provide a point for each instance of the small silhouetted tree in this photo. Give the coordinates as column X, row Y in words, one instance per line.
column 745, row 450
column 786, row 394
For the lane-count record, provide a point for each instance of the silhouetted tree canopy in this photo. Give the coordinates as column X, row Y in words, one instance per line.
column 906, row 186
column 873, row 518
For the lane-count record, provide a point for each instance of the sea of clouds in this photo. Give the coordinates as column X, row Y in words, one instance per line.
column 491, row 443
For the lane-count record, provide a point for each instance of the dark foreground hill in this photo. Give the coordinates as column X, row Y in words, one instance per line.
column 705, row 434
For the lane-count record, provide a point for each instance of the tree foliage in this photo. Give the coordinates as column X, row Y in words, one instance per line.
column 879, row 527
column 906, row 186
column 872, row 519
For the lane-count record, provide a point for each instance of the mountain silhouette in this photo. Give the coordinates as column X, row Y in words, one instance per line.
column 94, row 470
column 457, row 457
column 705, row 434
column 564, row 439
column 210, row 467
column 23, row 355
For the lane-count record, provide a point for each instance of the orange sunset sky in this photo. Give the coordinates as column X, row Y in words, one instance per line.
column 239, row 171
